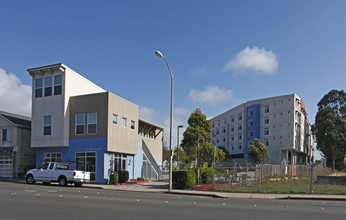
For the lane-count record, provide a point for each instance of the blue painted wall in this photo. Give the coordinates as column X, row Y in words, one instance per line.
column 255, row 128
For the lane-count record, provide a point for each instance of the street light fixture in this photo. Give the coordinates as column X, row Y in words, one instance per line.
column 159, row 54
column 180, row 126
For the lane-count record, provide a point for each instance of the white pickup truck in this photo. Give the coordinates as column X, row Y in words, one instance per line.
column 57, row 172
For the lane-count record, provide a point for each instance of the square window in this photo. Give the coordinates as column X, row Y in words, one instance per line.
column 38, row 88
column 80, row 123
column 124, row 122
column 47, row 125
column 115, row 119
column 57, row 85
column 92, row 123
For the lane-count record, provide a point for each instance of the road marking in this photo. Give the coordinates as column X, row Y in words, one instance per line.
column 138, row 200
column 60, row 196
column 112, row 198
column 223, row 204
column 254, row 205
column 194, row 203
column 37, row 195
column 85, row 197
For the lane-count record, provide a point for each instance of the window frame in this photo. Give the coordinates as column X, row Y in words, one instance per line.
column 79, row 124
column 38, row 87
column 48, row 86
column 57, row 85
column 47, row 127
column 124, row 122
column 91, row 123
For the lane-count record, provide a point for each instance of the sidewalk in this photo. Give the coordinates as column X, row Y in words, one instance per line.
column 162, row 187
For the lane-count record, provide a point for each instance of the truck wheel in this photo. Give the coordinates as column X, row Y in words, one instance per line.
column 62, row 181
column 78, row 184
column 30, row 179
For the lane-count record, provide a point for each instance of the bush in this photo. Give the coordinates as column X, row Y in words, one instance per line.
column 184, row 179
column 207, row 175
column 114, row 178
column 141, row 179
column 123, row 176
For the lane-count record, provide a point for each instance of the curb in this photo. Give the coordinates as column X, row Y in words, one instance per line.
column 131, row 183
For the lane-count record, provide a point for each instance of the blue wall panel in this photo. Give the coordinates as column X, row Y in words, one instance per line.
column 255, row 128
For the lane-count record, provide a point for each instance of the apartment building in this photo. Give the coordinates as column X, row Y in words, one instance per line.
column 280, row 123
column 16, row 155
column 75, row 120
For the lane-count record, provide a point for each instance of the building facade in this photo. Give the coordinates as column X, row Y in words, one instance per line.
column 77, row 121
column 280, row 123
column 16, row 155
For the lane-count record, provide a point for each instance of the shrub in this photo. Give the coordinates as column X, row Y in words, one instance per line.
column 123, row 176
column 141, row 179
column 184, row 179
column 207, row 175
column 114, row 178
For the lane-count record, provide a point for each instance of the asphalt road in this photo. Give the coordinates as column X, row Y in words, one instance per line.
column 23, row 201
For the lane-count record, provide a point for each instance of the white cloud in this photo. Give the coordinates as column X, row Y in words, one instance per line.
column 149, row 114
column 15, row 97
column 199, row 71
column 253, row 59
column 212, row 95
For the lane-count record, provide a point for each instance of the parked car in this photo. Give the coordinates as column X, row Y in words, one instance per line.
column 57, row 172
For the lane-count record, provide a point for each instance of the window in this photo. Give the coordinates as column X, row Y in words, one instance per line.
column 43, row 166
column 57, row 84
column 250, row 112
column 266, row 109
column 232, row 147
column 92, row 123
column 266, row 131
column 47, row 125
column 86, row 161
column 250, row 133
column 232, row 128
column 224, row 130
column 48, row 86
column 225, row 122
column 217, row 131
column 80, row 123
column 120, row 162
column 232, row 138
column 38, row 88
column 133, row 125
column 6, row 137
column 224, row 139
column 124, row 122
column 239, row 127
column 266, row 142
column 115, row 119
column 266, row 120
column 250, row 123
column 218, row 122
column 51, row 157
column 239, row 146
column 217, row 140
column 213, row 124
column 240, row 117
column 232, row 118
column 239, row 136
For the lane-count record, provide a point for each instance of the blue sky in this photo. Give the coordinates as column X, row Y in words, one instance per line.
column 222, row 53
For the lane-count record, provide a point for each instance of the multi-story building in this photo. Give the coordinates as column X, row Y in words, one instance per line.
column 77, row 121
column 16, row 155
column 280, row 123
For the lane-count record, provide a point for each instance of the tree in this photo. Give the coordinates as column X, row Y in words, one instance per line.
column 165, row 153
column 330, row 128
column 196, row 134
column 182, row 155
column 206, row 154
column 259, row 152
column 227, row 156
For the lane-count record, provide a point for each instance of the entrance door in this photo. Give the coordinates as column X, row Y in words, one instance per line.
column 86, row 161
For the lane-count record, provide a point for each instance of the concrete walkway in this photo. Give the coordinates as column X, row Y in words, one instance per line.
column 162, row 187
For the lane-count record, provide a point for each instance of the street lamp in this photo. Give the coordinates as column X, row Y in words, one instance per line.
column 180, row 126
column 159, row 54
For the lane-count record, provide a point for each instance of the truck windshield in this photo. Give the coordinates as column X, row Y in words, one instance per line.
column 43, row 166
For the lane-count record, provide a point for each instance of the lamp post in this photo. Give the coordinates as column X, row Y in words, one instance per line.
column 159, row 54
column 180, row 126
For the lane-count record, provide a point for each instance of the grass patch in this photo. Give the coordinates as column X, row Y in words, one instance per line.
column 301, row 185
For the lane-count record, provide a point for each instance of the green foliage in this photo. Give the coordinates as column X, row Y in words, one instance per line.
column 182, row 155
column 227, row 155
column 330, row 128
column 165, row 153
column 114, row 178
column 206, row 154
column 207, row 175
column 141, row 179
column 196, row 134
column 184, row 179
column 259, row 152
column 123, row 176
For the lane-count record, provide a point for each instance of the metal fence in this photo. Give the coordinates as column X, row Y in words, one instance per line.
column 229, row 173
